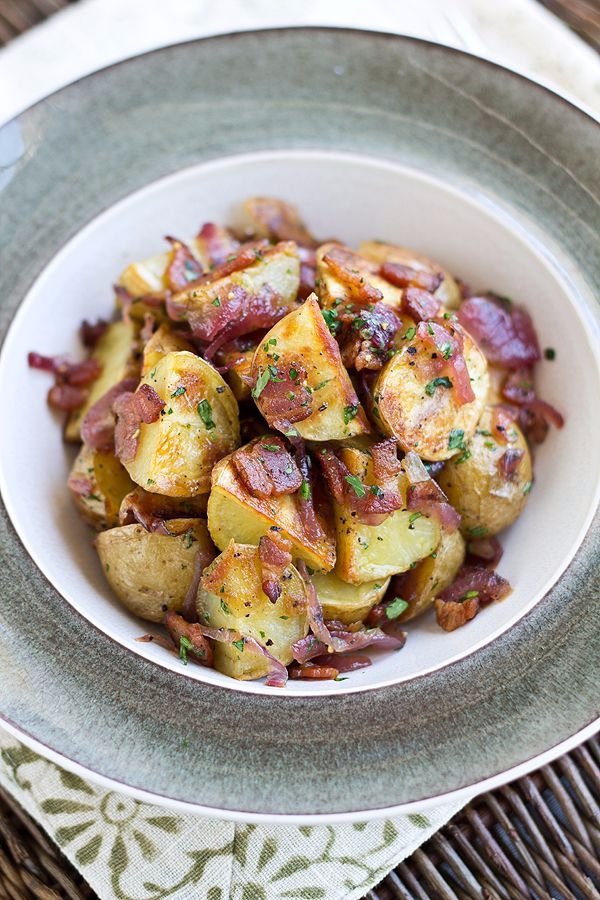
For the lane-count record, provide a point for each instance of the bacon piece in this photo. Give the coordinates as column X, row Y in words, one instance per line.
column 343, row 662
column 200, row 650
column 428, row 498
column 447, row 342
column 71, row 379
column 305, row 498
column 385, row 460
column 406, row 277
column 277, row 676
column 66, row 397
column 308, row 271
column 313, row 672
column 504, row 332
column 91, row 332
column 284, row 399
column 165, row 642
column 218, row 242
column 420, row 304
column 487, row 584
column 485, row 552
column 366, row 335
column 183, row 266
column 279, row 221
column 533, row 414
column 152, row 510
column 346, row 267
column 501, row 420
column 509, row 462
column 370, row 503
column 98, row 426
column 202, row 559
column 242, row 314
column 275, row 557
column 267, row 468
column 133, row 409
column 451, row 615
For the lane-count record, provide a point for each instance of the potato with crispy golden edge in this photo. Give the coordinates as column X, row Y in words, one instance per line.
column 423, row 415
column 275, row 270
column 239, row 365
column 332, row 291
column 117, row 351
column 148, row 276
column 373, row 552
column 379, row 252
column 421, row 585
column 488, row 499
column 345, row 602
column 150, row 573
column 98, row 483
column 163, row 341
column 235, row 514
column 302, row 340
column 198, row 426
column 231, row 596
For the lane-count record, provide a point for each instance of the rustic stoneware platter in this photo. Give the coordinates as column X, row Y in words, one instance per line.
column 372, row 136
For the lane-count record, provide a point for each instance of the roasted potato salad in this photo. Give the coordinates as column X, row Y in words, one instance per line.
column 291, row 447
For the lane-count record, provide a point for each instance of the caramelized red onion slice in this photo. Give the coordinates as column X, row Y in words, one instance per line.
column 133, row 409
column 98, row 426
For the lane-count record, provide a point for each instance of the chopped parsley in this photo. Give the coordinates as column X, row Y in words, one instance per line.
column 550, row 353
column 94, row 497
column 446, row 349
column 239, row 645
column 478, row 531
column 272, row 447
column 216, row 302
column 376, row 490
column 305, row 490
column 444, row 382
column 188, row 539
column 396, row 608
column 465, row 455
column 456, row 439
column 410, row 333
column 205, row 413
column 293, row 373
column 322, row 384
column 356, row 485
column 414, row 516
column 262, row 381
column 331, row 319
column 350, row 413
column 527, row 487
column 469, row 596
column 178, row 391
column 185, row 645
column 225, row 608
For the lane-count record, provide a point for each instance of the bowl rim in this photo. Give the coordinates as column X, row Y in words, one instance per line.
column 464, row 792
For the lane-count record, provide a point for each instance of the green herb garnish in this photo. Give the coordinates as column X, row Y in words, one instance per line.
column 225, row 608
column 376, row 490
column 178, row 391
column 396, row 608
column 444, row 382
column 305, row 490
column 205, row 413
column 350, row 413
column 456, row 439
column 185, row 645
column 356, row 485
column 239, row 645
column 410, row 333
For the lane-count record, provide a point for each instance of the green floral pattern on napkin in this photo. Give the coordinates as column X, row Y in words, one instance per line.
column 130, row 850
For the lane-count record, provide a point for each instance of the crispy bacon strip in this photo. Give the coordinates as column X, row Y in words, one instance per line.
column 447, row 343
column 407, row 277
column 267, row 468
column 183, row 266
column 218, row 242
column 305, row 497
column 504, row 332
column 420, row 304
column 98, row 426
column 461, row 601
column 313, row 672
column 285, row 397
column 451, row 615
column 371, row 503
column 366, row 334
column 275, row 557
column 532, row 413
column 91, row 332
column 133, row 409
column 485, row 552
column 346, row 266
column 71, row 379
column 199, row 650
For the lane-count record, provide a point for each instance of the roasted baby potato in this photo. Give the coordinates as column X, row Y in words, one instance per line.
column 420, row 410
column 276, row 220
column 272, row 276
column 150, row 573
column 345, row 602
column 163, row 341
column 379, row 252
column 231, row 596
column 367, row 553
column 482, row 485
column 148, row 276
column 420, row 586
column 198, row 426
column 98, row 483
column 299, row 358
column 234, row 513
column 117, row 351
column 332, row 290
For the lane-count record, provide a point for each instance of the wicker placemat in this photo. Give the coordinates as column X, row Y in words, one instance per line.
column 538, row 838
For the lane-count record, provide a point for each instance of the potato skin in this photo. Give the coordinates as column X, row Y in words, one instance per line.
column 175, row 455
column 487, row 500
column 373, row 552
column 378, row 251
column 345, row 602
column 303, row 337
column 235, row 514
column 231, row 596
column 150, row 573
column 106, row 482
column 421, row 585
column 403, row 409
column 117, row 351
column 163, row 341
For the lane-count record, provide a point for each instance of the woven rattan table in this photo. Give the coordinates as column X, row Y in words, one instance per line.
column 538, row 837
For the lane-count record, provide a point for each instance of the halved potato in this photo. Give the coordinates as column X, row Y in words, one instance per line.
column 421, row 585
column 379, row 252
column 301, row 341
column 410, row 405
column 487, row 500
column 235, row 514
column 98, row 483
column 274, row 274
column 163, row 341
column 117, row 351
column 231, row 596
column 332, row 291
column 198, row 426
column 150, row 573
column 345, row 602
column 373, row 552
